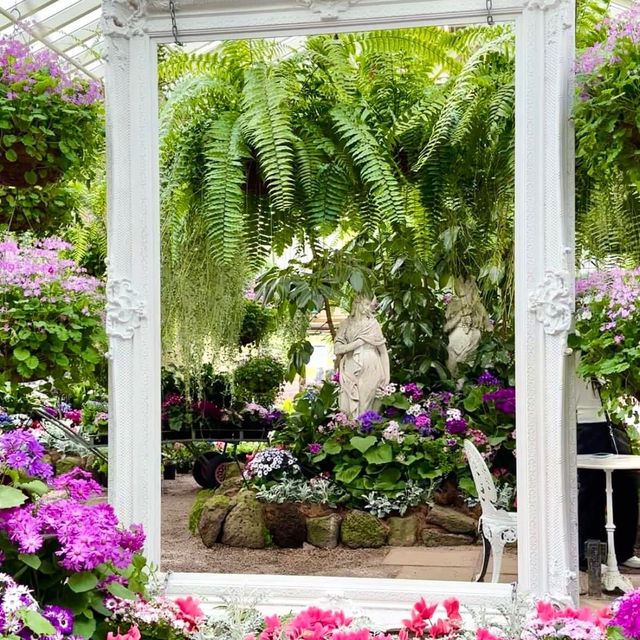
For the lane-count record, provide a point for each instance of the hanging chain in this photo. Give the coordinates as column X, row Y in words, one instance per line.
column 490, row 20
column 174, row 24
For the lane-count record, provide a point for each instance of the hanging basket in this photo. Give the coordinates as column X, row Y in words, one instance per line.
column 13, row 174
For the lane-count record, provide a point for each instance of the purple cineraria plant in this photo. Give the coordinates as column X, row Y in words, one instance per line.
column 626, row 615
column 20, row 450
column 367, row 420
column 488, row 379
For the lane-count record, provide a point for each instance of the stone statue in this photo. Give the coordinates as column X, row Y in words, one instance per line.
column 361, row 358
column 466, row 319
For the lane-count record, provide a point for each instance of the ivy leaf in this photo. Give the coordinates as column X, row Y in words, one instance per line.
column 10, row 497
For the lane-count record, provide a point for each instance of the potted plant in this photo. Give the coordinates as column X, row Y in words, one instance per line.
column 49, row 118
column 608, row 99
column 169, row 462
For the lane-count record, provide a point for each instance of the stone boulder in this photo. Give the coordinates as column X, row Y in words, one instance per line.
column 230, row 486
column 68, row 463
column 285, row 523
column 434, row 537
column 244, row 525
column 213, row 513
column 452, row 520
column 362, row 530
column 324, row 531
column 402, row 531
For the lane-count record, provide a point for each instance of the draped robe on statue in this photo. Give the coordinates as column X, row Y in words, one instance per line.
column 362, row 371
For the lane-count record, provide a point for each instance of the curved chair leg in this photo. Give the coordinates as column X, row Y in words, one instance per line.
column 486, row 550
column 497, row 546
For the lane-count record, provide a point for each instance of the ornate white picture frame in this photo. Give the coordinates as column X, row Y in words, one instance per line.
column 544, row 243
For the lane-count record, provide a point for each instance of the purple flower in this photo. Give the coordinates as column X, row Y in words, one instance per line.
column 413, row 391
column 422, row 421
column 456, row 426
column 488, row 379
column 314, row 447
column 426, row 430
column 367, row 419
column 79, row 483
column 336, row 376
column 59, row 617
column 504, row 399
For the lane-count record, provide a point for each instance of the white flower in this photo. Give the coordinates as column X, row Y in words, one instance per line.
column 454, row 414
column 415, row 410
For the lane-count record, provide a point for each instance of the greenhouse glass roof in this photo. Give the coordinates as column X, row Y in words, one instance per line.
column 72, row 28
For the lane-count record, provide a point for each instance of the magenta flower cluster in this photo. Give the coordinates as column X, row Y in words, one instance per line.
column 626, row 615
column 20, row 450
column 88, row 535
column 23, row 71
column 42, row 270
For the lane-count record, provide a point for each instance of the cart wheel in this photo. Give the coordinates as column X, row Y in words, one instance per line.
column 209, row 470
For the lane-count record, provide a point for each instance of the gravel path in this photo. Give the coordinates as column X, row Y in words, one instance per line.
column 183, row 552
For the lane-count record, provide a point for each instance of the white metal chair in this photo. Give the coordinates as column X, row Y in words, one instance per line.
column 497, row 526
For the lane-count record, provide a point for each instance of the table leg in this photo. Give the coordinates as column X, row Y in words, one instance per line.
column 611, row 577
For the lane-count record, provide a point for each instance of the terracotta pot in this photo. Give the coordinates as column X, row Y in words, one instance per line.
column 12, row 173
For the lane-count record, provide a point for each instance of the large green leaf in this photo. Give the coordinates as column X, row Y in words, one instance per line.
column 83, row 581
column 11, row 497
column 363, row 444
column 382, row 454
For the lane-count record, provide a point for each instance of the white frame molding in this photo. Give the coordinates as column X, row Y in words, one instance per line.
column 544, row 241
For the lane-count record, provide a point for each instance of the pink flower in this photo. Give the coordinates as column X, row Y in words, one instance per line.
column 190, row 612
column 132, row 634
column 452, row 607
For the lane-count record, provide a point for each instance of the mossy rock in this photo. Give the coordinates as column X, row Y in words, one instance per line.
column 244, row 525
column 324, row 531
column 402, row 531
column 196, row 509
column 68, row 463
column 362, row 530
column 232, row 470
column 230, row 486
column 214, row 512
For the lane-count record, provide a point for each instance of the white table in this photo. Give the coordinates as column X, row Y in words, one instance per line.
column 611, row 576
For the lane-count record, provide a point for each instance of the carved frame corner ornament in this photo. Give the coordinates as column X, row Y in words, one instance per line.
column 125, row 309
column 124, row 18
column 552, row 303
column 327, row 9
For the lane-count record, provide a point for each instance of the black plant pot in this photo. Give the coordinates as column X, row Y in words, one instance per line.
column 169, row 472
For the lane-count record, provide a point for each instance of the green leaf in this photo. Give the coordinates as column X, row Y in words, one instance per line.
column 30, row 559
column 11, row 155
column 31, row 177
column 36, row 622
column 348, row 475
column 32, row 362
column 84, row 627
column 10, row 497
column 34, row 486
column 382, row 454
column 83, row 581
column 332, row 447
column 363, row 444
column 356, row 280
column 20, row 353
column 120, row 591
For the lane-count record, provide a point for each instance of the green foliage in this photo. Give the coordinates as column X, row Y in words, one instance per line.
column 258, row 321
column 258, row 380
column 53, row 327
column 607, row 335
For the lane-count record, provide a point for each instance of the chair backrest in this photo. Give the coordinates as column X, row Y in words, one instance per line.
column 482, row 478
